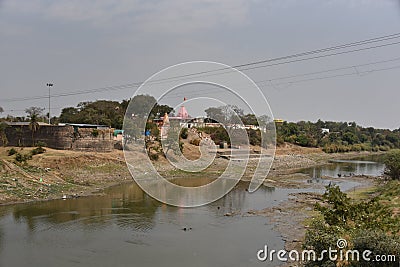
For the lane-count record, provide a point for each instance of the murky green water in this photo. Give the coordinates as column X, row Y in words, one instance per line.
column 125, row 227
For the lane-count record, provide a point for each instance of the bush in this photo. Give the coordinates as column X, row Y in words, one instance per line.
column 12, row 151
column 392, row 162
column 22, row 158
column 184, row 133
column 41, row 144
column 153, row 156
column 254, row 137
column 38, row 150
column 379, row 243
column 217, row 134
column 366, row 225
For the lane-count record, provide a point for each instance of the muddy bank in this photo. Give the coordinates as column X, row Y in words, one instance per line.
column 58, row 174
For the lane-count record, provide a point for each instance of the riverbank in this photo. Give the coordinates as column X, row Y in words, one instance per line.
column 59, row 174
column 72, row 174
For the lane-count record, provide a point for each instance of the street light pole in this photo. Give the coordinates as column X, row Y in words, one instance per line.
column 49, row 85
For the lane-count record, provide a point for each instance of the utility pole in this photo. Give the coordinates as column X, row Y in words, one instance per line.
column 49, row 85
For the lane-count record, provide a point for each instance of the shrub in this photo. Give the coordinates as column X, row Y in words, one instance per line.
column 392, row 162
column 366, row 225
column 379, row 243
column 22, row 158
column 153, row 156
column 12, row 151
column 254, row 137
column 41, row 144
column 38, row 150
column 184, row 133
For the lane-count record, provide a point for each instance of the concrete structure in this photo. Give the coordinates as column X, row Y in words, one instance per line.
column 324, row 130
column 84, row 137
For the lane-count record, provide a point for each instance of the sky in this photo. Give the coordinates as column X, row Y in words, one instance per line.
column 81, row 45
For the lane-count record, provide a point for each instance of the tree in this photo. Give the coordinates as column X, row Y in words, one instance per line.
column 34, row 112
column 20, row 135
column 249, row 119
column 215, row 114
column 141, row 105
column 33, row 115
column 392, row 162
column 3, row 136
column 159, row 110
column 69, row 114
column 350, row 138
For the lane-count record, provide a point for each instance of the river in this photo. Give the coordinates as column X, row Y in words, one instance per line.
column 125, row 227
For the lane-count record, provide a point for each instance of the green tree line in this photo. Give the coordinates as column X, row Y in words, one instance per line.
column 342, row 136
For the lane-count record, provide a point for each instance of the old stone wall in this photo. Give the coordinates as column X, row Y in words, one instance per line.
column 62, row 137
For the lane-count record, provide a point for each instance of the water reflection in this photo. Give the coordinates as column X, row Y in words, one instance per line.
column 346, row 168
column 127, row 205
column 127, row 225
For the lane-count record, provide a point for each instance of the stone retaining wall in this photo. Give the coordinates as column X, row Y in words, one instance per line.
column 62, row 137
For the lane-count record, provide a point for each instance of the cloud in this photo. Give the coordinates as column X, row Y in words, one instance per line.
column 170, row 16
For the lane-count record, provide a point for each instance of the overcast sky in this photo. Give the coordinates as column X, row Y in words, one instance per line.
column 80, row 45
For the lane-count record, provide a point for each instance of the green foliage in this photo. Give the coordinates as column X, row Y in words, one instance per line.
column 304, row 140
column 392, row 162
column 38, row 150
column 254, row 137
column 160, row 110
column 102, row 112
column 184, row 133
column 41, row 144
column 379, row 243
column 366, row 225
column 154, row 156
column 337, row 211
column 217, row 134
column 342, row 136
column 105, row 112
column 249, row 119
column 153, row 128
column 12, row 151
column 23, row 158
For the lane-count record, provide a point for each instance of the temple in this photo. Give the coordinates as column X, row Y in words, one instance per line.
column 183, row 119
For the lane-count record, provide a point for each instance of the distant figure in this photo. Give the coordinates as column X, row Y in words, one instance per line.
column 339, row 175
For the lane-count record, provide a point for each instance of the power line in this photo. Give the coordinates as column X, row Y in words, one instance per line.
column 172, row 95
column 246, row 66
column 216, row 90
column 340, row 75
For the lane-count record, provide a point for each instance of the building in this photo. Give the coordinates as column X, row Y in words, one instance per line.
column 325, row 130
